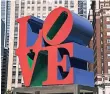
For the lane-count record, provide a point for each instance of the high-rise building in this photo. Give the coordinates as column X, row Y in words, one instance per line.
column 2, row 36
column 40, row 9
column 5, row 16
column 99, row 16
column 4, row 71
column 2, row 25
column 5, row 5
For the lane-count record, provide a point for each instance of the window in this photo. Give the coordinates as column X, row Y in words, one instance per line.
column 66, row 6
column 16, row 16
column 108, row 47
column 15, row 39
column 66, row 2
column 44, row 15
column 85, row 12
column 108, row 33
column 85, row 4
column 72, row 4
column 22, row 4
column 38, row 2
column 49, row 8
column 38, row 8
column 108, row 25
column 14, row 73
column 16, row 29
column 108, row 71
column 103, row 92
column 15, row 44
column 14, row 62
column 108, row 55
column 38, row 15
column 23, row 85
column 13, row 80
column 32, row 14
column 14, row 52
column 101, row 6
column 60, row 2
column 19, row 73
column 28, row 2
column 44, row 8
column 44, row 1
column 80, row 4
column 55, row 1
column 107, row 4
column 14, row 67
column 108, row 40
column 80, row 11
column 32, row 8
column 33, row 2
column 28, row 7
column 108, row 18
column 19, row 80
column 14, row 58
column 22, row 12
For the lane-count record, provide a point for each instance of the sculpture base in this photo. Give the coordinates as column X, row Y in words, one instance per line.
column 56, row 89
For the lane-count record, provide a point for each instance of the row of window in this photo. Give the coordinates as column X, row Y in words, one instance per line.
column 104, row 4
column 13, row 81
column 39, row 8
column 14, row 73
column 49, row 8
column 16, row 26
column 56, row 2
column 14, row 68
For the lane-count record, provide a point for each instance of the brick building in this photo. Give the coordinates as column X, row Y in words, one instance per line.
column 99, row 15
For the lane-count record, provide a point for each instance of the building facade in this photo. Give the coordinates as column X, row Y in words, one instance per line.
column 4, row 71
column 2, row 36
column 5, row 14
column 40, row 9
column 99, row 16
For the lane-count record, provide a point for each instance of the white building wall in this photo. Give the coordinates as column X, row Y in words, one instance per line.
column 100, row 90
column 107, row 90
column 11, row 43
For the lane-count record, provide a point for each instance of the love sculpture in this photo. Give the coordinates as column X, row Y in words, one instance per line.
column 55, row 51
